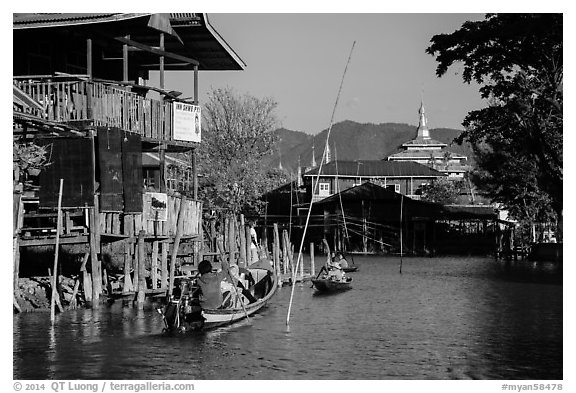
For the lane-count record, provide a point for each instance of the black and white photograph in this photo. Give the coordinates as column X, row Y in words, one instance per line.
column 208, row 200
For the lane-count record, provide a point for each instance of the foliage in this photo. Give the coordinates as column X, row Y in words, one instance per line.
column 442, row 191
column 517, row 139
column 237, row 138
column 28, row 156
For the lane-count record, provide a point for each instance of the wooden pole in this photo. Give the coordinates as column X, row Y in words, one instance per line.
column 162, row 61
column 232, row 239
column 312, row 263
column 55, row 275
column 127, row 267
column 277, row 249
column 89, row 72
column 125, row 61
column 164, row 266
column 141, row 265
column 174, row 256
column 96, row 282
column 242, row 235
column 248, row 237
column 154, row 265
column 196, row 101
column 194, row 174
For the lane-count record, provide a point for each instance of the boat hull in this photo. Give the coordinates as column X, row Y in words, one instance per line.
column 350, row 269
column 206, row 319
column 326, row 285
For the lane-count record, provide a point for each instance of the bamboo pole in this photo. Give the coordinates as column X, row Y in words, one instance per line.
column 55, row 277
column 312, row 267
column 179, row 225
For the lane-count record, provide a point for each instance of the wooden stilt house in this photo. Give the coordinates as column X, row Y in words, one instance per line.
column 81, row 93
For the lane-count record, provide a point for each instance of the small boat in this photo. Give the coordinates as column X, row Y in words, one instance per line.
column 350, row 269
column 183, row 313
column 328, row 285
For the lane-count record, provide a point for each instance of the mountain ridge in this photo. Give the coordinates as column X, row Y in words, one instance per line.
column 350, row 140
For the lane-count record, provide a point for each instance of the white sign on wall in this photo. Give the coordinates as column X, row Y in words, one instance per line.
column 186, row 122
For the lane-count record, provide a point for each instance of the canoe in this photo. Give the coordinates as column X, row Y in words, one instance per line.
column 350, row 269
column 326, row 285
column 183, row 313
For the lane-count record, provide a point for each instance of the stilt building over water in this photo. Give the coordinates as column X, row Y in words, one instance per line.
column 83, row 106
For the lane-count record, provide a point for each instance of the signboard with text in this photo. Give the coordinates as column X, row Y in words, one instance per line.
column 186, row 122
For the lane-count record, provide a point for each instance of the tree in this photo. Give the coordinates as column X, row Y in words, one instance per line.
column 237, row 138
column 442, row 191
column 517, row 139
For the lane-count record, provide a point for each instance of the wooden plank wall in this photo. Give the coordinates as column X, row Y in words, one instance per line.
column 119, row 223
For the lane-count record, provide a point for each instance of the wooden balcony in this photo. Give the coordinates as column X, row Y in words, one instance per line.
column 102, row 104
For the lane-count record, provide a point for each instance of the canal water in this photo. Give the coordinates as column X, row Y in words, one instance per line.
column 442, row 318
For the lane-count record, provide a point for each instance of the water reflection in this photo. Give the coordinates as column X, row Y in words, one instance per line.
column 442, row 318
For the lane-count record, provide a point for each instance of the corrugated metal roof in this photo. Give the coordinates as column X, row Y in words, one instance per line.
column 22, row 21
column 375, row 168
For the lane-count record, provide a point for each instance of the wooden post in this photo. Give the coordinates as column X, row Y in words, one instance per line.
column 196, row 101
column 301, row 265
column 195, row 173
column 89, row 83
column 401, row 209
column 154, row 265
column 312, row 267
column 19, row 219
column 284, row 254
column 86, row 281
column 141, row 265
column 96, row 280
column 248, row 237
column 162, row 61
column 164, row 266
column 125, row 61
column 135, row 264
column 162, row 157
column 127, row 267
column 232, row 239
column 242, row 235
column 55, row 275
column 276, row 249
column 179, row 226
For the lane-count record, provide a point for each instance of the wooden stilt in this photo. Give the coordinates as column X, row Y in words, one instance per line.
column 164, row 266
column 248, row 237
column 276, row 249
column 141, row 265
column 232, row 239
column 154, row 265
column 135, row 264
column 96, row 281
column 55, row 293
column 127, row 268
column 179, row 227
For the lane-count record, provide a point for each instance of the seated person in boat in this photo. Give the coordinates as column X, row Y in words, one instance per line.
column 333, row 271
column 210, row 284
column 216, row 289
column 341, row 260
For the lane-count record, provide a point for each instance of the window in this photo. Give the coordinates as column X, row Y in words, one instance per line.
column 324, row 189
column 393, row 187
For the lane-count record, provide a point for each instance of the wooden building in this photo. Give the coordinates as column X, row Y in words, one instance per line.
column 81, row 92
column 404, row 177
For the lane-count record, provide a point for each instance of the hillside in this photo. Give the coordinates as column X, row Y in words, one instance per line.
column 353, row 141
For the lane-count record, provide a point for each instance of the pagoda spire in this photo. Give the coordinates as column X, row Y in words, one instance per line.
column 423, row 132
column 313, row 164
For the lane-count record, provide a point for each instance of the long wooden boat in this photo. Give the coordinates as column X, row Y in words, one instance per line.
column 183, row 314
column 350, row 269
column 327, row 285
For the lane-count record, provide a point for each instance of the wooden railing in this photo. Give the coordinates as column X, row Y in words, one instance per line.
column 105, row 105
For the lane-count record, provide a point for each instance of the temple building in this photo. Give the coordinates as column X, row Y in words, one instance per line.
column 427, row 151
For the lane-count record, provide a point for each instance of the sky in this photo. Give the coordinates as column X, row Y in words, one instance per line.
column 298, row 59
